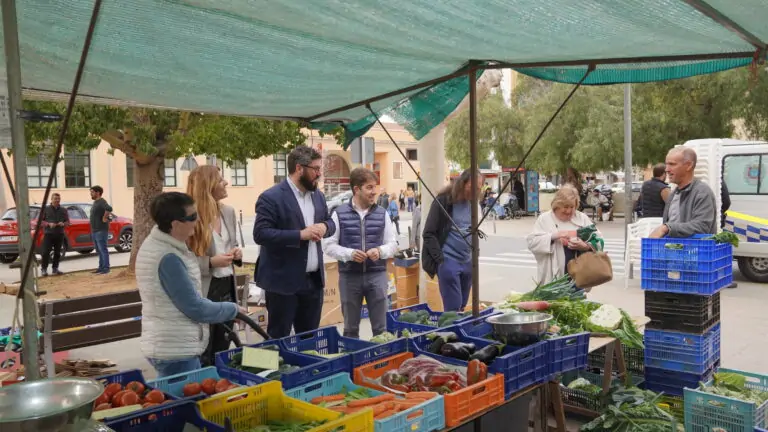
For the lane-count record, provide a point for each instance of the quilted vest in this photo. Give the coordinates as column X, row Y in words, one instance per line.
column 166, row 333
column 653, row 205
column 362, row 234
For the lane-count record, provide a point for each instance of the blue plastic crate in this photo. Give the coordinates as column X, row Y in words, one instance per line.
column 126, row 377
column 328, row 340
column 673, row 382
column 174, row 384
column 426, row 417
column 690, row 266
column 311, row 368
column 682, row 352
column 693, row 253
column 568, row 353
column 174, row 417
column 478, row 328
column 521, row 366
column 705, row 412
column 687, row 281
column 396, row 327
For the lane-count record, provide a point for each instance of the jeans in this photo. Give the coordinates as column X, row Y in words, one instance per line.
column 100, row 242
column 410, row 204
column 167, row 368
column 352, row 288
column 52, row 241
column 455, row 280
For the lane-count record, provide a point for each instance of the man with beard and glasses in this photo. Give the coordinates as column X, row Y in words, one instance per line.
column 291, row 219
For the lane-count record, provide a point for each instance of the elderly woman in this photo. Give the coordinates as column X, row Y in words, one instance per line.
column 553, row 241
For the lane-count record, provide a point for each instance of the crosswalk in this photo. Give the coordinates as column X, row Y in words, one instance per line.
column 525, row 259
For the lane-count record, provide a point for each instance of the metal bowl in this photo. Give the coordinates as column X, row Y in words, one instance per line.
column 519, row 328
column 50, row 405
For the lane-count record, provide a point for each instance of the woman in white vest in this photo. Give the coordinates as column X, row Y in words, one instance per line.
column 175, row 315
column 214, row 242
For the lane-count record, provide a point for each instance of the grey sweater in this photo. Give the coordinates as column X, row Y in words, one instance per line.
column 698, row 209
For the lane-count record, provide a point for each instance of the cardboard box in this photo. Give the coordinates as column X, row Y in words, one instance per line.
column 434, row 299
column 331, row 300
column 405, row 302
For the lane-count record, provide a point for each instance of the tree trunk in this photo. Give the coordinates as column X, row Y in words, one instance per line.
column 147, row 184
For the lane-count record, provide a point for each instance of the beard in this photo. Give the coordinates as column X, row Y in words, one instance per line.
column 310, row 185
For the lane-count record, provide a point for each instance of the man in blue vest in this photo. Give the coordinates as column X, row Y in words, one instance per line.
column 363, row 242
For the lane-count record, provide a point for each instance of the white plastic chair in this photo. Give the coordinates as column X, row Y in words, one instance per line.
column 633, row 249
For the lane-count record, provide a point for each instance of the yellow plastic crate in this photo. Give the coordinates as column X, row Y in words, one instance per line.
column 260, row 404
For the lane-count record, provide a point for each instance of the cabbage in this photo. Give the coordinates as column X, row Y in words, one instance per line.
column 606, row 316
column 513, row 297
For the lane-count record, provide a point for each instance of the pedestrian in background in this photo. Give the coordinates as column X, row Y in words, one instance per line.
column 383, row 200
column 214, row 242
column 291, row 219
column 363, row 242
column 654, row 193
column 409, row 196
column 401, row 199
column 100, row 216
column 394, row 215
column 55, row 218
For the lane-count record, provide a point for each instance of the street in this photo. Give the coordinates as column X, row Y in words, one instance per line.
column 505, row 265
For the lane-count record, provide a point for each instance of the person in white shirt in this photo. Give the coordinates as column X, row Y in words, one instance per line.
column 363, row 242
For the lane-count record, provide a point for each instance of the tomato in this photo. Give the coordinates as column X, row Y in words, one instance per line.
column 103, row 399
column 129, row 398
column 135, row 387
column 102, row 407
column 192, row 389
column 117, row 397
column 155, row 396
column 113, row 388
column 149, row 404
column 209, row 386
column 222, row 385
column 152, row 417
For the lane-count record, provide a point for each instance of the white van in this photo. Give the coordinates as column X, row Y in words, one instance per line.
column 743, row 165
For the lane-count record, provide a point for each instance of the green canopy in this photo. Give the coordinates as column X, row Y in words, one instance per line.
column 305, row 59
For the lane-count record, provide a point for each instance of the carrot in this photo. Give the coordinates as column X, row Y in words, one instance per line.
column 420, row 395
column 404, row 405
column 384, row 406
column 385, row 414
column 371, row 401
column 330, row 398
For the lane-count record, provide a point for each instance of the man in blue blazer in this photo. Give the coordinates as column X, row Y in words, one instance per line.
column 291, row 219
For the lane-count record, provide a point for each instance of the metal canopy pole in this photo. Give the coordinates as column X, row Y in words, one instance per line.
column 13, row 70
column 628, row 208
column 474, row 205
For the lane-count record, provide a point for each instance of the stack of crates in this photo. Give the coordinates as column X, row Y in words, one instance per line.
column 682, row 279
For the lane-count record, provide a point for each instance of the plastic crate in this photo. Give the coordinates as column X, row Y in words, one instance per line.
column 311, row 368
column 426, row 417
column 706, row 411
column 477, row 328
column 521, row 366
column 634, row 360
column 460, row 405
column 174, row 384
column 693, row 253
column 673, row 382
column 328, row 340
column 175, row 417
column 126, row 377
column 258, row 405
column 687, row 266
column 682, row 352
column 684, row 282
column 685, row 313
column 567, row 353
column 396, row 327
column 586, row 400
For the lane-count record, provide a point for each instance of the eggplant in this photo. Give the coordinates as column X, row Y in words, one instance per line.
column 456, row 350
column 488, row 354
column 439, row 339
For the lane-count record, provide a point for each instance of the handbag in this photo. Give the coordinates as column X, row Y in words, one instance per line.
column 590, row 269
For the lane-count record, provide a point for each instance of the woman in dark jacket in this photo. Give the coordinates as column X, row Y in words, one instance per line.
column 447, row 251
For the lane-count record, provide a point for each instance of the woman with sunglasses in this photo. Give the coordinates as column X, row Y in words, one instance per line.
column 215, row 243
column 175, row 315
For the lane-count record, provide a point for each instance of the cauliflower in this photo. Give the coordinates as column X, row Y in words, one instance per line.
column 606, row 316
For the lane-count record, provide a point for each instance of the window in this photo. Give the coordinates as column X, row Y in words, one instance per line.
column 280, row 165
column 213, row 160
column 170, row 173
column 239, row 174
column 77, row 170
column 75, row 213
column 412, row 154
column 397, row 170
column 746, row 174
column 38, row 170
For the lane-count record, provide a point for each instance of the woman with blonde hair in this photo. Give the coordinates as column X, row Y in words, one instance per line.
column 214, row 242
column 554, row 241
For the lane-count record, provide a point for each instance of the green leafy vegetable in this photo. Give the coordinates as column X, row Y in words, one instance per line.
column 725, row 237
column 632, row 410
column 383, row 338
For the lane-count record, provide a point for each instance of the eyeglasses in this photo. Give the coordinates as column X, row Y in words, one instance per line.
column 318, row 170
column 189, row 218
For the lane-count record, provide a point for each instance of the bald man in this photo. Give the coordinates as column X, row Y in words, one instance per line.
column 691, row 208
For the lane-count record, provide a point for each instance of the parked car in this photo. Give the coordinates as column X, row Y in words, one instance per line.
column 77, row 236
column 337, row 200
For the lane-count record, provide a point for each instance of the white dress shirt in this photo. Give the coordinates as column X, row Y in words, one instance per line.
column 307, row 207
column 332, row 247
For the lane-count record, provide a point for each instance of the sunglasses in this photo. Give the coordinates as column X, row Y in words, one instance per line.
column 189, row 218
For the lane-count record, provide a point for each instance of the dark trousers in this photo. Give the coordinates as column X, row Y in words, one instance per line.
column 300, row 311
column 455, row 281
column 396, row 221
column 220, row 291
column 52, row 240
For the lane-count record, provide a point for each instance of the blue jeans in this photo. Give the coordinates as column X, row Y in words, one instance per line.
column 166, row 368
column 100, row 242
column 455, row 280
column 410, row 204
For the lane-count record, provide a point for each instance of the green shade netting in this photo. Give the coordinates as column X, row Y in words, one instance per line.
column 297, row 59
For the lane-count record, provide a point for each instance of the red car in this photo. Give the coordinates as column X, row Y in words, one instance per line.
column 77, row 236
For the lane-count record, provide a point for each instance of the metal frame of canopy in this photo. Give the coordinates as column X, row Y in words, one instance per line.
column 10, row 33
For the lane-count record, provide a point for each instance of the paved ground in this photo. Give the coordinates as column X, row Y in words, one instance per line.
column 507, row 265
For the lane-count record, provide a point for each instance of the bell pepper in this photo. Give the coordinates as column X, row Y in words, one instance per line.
column 477, row 371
